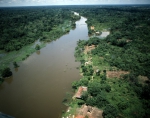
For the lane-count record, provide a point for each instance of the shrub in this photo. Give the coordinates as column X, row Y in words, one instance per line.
column 37, row 47
column 110, row 112
column 6, row 72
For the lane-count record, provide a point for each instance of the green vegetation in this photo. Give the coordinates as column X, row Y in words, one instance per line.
column 125, row 49
column 37, row 47
column 6, row 72
column 15, row 64
column 22, row 26
column 16, row 56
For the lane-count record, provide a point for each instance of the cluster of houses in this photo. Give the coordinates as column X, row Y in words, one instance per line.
column 91, row 112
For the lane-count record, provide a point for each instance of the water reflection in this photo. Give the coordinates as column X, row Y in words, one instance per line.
column 2, row 86
column 9, row 80
column 38, row 88
column 16, row 69
column 38, row 52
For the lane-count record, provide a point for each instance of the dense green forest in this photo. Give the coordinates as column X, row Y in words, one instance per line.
column 129, row 38
column 24, row 25
column 126, row 49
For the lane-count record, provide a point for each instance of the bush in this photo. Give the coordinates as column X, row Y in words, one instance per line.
column 15, row 64
column 108, row 88
column 75, row 84
column 84, row 82
column 84, row 96
column 91, row 101
column 110, row 112
column 80, row 102
column 101, row 100
column 6, row 72
column 37, row 47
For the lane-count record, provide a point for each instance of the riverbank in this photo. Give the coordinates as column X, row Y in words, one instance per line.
column 26, row 26
column 7, row 58
column 89, row 70
column 110, row 88
column 43, row 79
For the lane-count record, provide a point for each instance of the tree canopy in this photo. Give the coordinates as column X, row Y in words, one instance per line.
column 127, row 48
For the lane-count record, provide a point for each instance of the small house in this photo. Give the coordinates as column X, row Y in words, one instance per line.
column 80, row 91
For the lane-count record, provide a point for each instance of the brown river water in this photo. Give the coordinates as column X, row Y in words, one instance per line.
column 37, row 89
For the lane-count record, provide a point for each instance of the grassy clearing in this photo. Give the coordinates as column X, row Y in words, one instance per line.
column 100, row 63
column 17, row 56
column 72, row 105
column 71, row 110
column 101, row 26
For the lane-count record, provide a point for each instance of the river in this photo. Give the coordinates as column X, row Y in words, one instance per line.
column 37, row 89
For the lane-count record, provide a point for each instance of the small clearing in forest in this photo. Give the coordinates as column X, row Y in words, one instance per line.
column 89, row 111
column 88, row 48
column 143, row 79
column 117, row 74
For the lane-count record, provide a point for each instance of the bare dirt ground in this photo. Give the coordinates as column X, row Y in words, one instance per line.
column 88, row 48
column 143, row 79
column 117, row 74
column 88, row 111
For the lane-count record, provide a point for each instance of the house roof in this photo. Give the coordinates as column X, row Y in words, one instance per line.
column 81, row 89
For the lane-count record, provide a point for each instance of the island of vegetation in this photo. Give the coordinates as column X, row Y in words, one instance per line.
column 22, row 26
column 116, row 69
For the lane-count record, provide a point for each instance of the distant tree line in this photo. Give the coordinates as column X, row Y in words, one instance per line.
column 23, row 25
column 126, row 48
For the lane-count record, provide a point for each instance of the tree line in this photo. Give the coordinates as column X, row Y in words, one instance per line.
column 126, row 48
column 23, row 25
